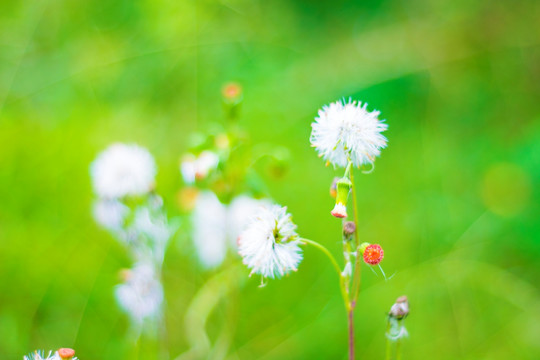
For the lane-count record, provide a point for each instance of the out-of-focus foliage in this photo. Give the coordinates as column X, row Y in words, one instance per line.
column 453, row 199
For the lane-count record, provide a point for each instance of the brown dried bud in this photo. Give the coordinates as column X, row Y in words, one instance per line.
column 349, row 228
column 66, row 353
column 400, row 309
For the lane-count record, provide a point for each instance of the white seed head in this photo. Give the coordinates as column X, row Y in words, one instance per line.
column 123, row 170
column 269, row 245
column 346, row 131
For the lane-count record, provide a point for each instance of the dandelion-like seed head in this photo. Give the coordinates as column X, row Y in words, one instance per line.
column 373, row 254
column 269, row 245
column 123, row 170
column 347, row 131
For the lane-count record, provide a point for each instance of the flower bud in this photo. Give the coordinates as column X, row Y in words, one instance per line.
column 349, row 228
column 362, row 247
column 373, row 254
column 400, row 309
column 66, row 353
column 232, row 93
column 343, row 187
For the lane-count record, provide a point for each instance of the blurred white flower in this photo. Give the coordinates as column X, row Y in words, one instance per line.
column 269, row 245
column 347, row 131
column 110, row 214
column 141, row 295
column 195, row 168
column 122, row 170
column 210, row 229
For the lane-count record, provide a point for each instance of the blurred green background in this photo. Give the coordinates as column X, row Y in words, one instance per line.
column 453, row 200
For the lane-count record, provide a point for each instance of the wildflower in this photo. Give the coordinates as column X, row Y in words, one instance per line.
column 398, row 312
column 349, row 227
column 345, row 132
column 123, row 170
column 110, row 213
column 269, row 245
column 400, row 309
column 343, row 188
column 372, row 253
column 232, row 93
column 66, row 353
column 141, row 295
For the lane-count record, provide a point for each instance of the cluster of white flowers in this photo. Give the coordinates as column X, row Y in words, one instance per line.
column 269, row 245
column 216, row 226
column 198, row 167
column 347, row 131
column 125, row 174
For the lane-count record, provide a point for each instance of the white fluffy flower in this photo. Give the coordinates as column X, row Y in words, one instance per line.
column 141, row 295
column 122, row 170
column 344, row 131
column 210, row 229
column 110, row 214
column 269, row 245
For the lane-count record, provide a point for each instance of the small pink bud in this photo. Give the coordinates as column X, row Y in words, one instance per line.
column 232, row 92
column 400, row 309
column 66, row 353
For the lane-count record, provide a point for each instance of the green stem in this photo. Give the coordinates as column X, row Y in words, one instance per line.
column 357, row 266
column 348, row 169
column 388, row 344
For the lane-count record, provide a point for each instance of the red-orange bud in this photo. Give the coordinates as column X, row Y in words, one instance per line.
column 373, row 254
column 66, row 353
